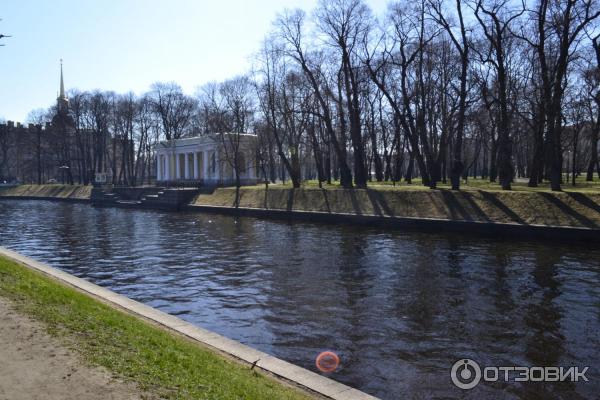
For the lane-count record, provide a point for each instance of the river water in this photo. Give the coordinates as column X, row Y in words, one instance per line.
column 398, row 308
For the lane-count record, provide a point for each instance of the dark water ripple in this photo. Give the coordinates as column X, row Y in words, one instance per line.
column 398, row 308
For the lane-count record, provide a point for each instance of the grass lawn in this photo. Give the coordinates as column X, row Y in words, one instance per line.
column 479, row 201
column 49, row 190
column 581, row 185
column 158, row 361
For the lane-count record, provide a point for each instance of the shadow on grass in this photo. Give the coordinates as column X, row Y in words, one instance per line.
column 265, row 201
column 481, row 215
column 582, row 219
column 326, row 198
column 502, row 207
column 354, row 201
column 457, row 211
column 290, row 200
column 380, row 205
column 584, row 200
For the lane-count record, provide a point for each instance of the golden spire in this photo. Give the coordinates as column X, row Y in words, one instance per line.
column 62, row 85
column 62, row 101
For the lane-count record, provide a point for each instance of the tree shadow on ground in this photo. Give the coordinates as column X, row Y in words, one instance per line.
column 502, row 207
column 290, row 200
column 326, row 198
column 481, row 215
column 354, row 201
column 582, row 219
column 584, row 200
column 436, row 202
column 380, row 206
column 265, row 200
column 457, row 211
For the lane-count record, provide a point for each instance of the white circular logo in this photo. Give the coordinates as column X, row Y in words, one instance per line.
column 465, row 374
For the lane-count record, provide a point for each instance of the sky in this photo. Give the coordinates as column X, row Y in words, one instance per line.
column 126, row 45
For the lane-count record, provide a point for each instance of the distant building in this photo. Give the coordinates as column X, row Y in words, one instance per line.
column 208, row 159
column 53, row 152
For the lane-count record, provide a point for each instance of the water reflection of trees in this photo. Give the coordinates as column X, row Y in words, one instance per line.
column 545, row 342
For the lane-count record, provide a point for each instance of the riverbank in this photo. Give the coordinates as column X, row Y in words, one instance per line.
column 41, row 367
column 157, row 361
column 76, row 193
column 527, row 208
column 573, row 214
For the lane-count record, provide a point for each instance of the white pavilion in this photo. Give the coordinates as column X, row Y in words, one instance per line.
column 207, row 159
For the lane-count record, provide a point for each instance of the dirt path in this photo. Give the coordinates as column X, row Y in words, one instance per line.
column 34, row 365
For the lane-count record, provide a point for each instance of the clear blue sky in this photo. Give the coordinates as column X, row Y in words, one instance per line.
column 126, row 45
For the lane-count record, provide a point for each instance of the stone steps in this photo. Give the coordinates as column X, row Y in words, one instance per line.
column 164, row 199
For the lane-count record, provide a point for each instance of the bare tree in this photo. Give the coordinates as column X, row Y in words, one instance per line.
column 212, row 111
column 461, row 43
column 558, row 30
column 277, row 102
column 290, row 27
column 592, row 78
column 495, row 18
column 239, row 103
column 125, row 115
column 346, row 24
column 173, row 107
column 148, row 132
column 227, row 108
column 38, row 119
column 398, row 72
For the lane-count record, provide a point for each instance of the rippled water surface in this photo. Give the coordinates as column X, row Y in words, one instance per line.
column 399, row 308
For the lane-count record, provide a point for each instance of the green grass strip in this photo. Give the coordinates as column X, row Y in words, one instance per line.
column 158, row 361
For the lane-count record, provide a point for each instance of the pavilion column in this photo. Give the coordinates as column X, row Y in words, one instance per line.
column 167, row 167
column 217, row 166
column 172, row 167
column 175, row 172
column 186, row 163
column 158, row 165
column 205, row 164
column 173, row 162
column 196, row 166
column 180, row 171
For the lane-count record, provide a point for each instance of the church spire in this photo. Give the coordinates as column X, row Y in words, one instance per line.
column 62, row 101
column 62, row 84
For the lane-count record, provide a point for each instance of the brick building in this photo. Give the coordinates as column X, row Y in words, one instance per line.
column 57, row 150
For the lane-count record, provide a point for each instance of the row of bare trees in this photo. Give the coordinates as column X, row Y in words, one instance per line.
column 118, row 133
column 430, row 87
column 436, row 89
column 103, row 132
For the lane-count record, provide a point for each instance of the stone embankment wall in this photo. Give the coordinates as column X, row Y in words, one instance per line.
column 568, row 209
column 563, row 209
column 57, row 192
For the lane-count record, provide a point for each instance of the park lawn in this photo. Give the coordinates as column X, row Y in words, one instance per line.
column 49, row 190
column 526, row 207
column 158, row 361
column 581, row 185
